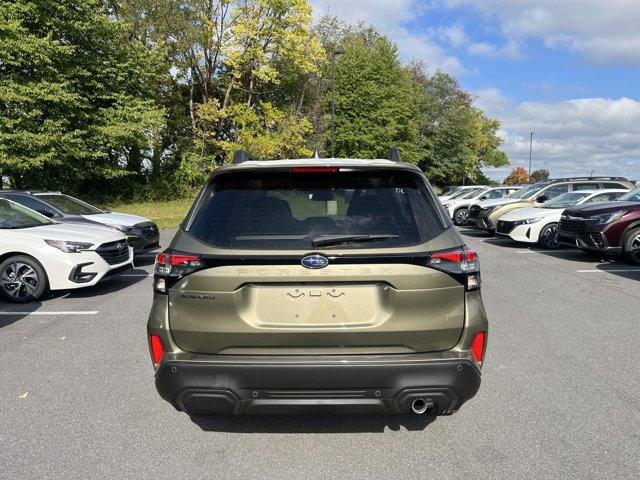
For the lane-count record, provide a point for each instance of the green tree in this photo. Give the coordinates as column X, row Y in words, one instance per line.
column 540, row 175
column 74, row 95
column 457, row 138
column 375, row 101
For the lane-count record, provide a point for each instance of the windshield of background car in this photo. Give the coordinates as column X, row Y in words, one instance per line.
column 472, row 194
column 275, row 210
column 460, row 193
column 70, row 205
column 13, row 215
column 632, row 196
column 528, row 191
column 565, row 200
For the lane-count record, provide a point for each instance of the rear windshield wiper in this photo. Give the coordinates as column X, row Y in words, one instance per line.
column 338, row 239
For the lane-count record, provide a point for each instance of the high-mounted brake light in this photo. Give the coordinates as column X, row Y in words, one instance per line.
column 477, row 346
column 315, row 169
column 170, row 267
column 157, row 348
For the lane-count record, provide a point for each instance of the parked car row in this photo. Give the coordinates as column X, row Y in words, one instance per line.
column 596, row 214
column 51, row 241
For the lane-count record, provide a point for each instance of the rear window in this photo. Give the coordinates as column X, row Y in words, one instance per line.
column 306, row 211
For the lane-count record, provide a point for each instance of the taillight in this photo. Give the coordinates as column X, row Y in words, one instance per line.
column 477, row 346
column 315, row 169
column 156, row 347
column 172, row 266
column 462, row 262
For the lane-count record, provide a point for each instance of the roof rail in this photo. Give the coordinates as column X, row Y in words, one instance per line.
column 394, row 154
column 567, row 179
column 241, row 156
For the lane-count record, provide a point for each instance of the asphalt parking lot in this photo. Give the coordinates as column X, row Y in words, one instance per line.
column 560, row 395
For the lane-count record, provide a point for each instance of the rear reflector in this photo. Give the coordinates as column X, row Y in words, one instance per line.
column 157, row 349
column 315, row 169
column 477, row 346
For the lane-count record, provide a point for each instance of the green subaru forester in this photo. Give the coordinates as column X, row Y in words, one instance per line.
column 317, row 285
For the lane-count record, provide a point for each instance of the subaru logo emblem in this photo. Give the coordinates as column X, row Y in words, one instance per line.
column 119, row 246
column 315, row 261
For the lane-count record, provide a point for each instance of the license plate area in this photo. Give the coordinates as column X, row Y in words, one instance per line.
column 315, row 305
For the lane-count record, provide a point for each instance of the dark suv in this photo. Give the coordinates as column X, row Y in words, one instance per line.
column 605, row 227
column 317, row 286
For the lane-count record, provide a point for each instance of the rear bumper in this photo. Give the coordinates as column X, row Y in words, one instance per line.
column 340, row 384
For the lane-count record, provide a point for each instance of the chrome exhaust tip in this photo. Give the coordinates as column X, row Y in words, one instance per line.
column 420, row 405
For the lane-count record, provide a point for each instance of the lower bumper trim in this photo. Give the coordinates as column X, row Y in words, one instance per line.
column 251, row 388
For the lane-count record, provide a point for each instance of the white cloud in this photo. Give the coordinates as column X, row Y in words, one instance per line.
column 456, row 36
column 601, row 31
column 389, row 17
column 572, row 137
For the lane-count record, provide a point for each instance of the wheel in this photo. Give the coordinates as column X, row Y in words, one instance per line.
column 631, row 246
column 23, row 279
column 549, row 237
column 461, row 217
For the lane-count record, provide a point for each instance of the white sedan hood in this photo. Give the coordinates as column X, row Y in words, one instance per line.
column 115, row 218
column 74, row 232
column 525, row 213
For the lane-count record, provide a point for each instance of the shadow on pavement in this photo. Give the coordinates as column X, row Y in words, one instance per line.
column 12, row 312
column 621, row 269
column 311, row 423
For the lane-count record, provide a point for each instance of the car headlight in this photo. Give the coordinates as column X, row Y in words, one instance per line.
column 69, row 247
column 529, row 221
column 607, row 218
column 121, row 228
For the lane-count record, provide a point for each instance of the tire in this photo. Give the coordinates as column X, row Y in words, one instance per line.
column 631, row 246
column 549, row 237
column 461, row 217
column 32, row 279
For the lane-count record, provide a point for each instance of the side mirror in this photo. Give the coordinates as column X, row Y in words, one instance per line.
column 542, row 198
column 45, row 213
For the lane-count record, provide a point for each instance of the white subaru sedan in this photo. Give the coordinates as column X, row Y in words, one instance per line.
column 37, row 254
column 540, row 224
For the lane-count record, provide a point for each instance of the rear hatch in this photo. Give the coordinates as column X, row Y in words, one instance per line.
column 316, row 262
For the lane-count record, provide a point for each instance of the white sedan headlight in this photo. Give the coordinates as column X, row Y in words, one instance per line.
column 69, row 247
column 530, row 221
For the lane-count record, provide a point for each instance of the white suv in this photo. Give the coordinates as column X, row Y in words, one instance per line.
column 458, row 208
column 37, row 254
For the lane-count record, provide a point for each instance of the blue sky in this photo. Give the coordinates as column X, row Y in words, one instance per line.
column 569, row 70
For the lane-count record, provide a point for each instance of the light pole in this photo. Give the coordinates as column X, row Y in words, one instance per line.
column 334, row 54
column 530, row 151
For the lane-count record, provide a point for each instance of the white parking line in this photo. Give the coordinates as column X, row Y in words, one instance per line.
column 568, row 250
column 630, row 270
column 93, row 312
